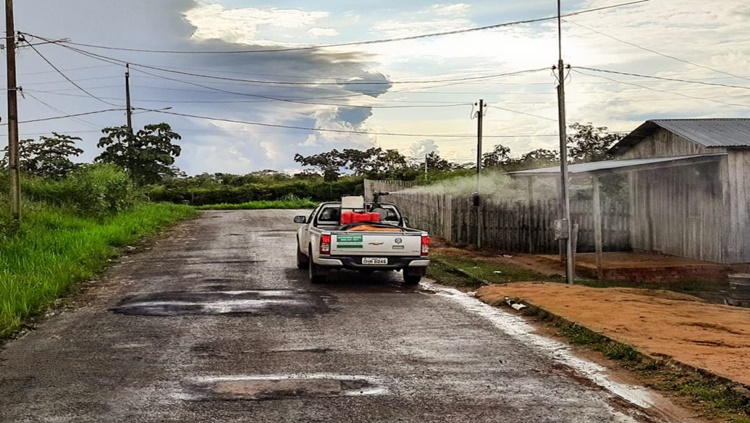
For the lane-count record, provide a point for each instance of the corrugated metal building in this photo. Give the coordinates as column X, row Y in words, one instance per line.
column 689, row 186
column 691, row 208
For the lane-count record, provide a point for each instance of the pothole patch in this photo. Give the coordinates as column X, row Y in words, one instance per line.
column 277, row 387
column 254, row 302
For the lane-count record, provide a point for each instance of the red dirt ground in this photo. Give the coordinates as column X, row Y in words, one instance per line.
column 690, row 330
column 708, row 336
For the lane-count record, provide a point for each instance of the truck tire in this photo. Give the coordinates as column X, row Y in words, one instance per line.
column 301, row 258
column 410, row 279
column 313, row 270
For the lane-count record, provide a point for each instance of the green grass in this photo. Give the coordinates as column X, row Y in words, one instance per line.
column 55, row 250
column 473, row 273
column 256, row 205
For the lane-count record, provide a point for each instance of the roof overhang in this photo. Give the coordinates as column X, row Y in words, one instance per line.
column 627, row 142
column 615, row 166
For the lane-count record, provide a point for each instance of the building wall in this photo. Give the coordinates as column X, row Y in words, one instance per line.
column 736, row 171
column 664, row 143
column 679, row 211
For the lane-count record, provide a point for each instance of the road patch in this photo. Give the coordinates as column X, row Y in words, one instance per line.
column 293, row 303
column 278, row 387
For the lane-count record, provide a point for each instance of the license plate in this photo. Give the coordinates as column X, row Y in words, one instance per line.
column 374, row 260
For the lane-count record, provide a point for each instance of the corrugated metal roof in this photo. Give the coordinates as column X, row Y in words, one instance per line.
column 612, row 165
column 710, row 133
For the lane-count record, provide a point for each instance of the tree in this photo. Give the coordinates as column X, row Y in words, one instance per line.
column 498, row 157
column 49, row 157
column 538, row 158
column 371, row 163
column 393, row 164
column 329, row 163
column 589, row 143
column 363, row 163
column 147, row 155
column 437, row 163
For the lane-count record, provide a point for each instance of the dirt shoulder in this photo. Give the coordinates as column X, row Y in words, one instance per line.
column 655, row 322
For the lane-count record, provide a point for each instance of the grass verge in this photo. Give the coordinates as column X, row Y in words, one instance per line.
column 712, row 395
column 464, row 272
column 473, row 272
column 54, row 251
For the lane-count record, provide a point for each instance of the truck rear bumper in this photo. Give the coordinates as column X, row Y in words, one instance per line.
column 355, row 263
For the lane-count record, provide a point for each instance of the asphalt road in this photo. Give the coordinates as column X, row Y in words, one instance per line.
column 214, row 323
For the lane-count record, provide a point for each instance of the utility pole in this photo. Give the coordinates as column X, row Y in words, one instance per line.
column 13, row 151
column 477, row 199
column 129, row 110
column 479, row 115
column 564, row 197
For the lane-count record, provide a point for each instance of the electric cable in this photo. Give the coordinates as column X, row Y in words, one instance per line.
column 659, row 53
column 661, row 91
column 344, row 131
column 68, row 79
column 58, row 110
column 67, row 116
column 354, row 43
column 661, row 78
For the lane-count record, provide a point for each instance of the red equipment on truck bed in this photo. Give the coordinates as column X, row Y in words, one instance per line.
column 353, row 217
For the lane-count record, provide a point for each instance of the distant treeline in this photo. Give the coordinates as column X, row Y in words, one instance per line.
column 212, row 189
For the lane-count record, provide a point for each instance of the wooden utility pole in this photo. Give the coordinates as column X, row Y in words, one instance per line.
column 564, row 197
column 480, row 116
column 13, row 152
column 128, row 109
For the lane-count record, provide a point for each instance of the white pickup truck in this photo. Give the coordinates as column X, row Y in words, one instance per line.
column 366, row 237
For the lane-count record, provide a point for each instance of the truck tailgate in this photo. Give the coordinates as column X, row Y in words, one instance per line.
column 376, row 244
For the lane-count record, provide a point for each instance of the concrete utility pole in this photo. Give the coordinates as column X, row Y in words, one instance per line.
column 13, row 152
column 564, row 197
column 128, row 109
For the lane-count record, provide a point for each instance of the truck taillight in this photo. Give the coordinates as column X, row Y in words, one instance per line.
column 325, row 244
column 425, row 245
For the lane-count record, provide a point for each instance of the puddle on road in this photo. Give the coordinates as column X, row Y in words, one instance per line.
column 272, row 387
column 255, row 302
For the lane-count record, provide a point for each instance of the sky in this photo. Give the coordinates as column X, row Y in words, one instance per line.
column 249, row 84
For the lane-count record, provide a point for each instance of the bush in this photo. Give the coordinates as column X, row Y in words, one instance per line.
column 96, row 190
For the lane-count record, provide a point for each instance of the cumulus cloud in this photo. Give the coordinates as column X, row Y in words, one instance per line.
column 262, row 104
column 423, row 147
column 241, row 25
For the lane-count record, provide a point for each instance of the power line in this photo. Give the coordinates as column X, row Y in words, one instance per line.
column 522, row 113
column 354, row 43
column 56, row 109
column 291, row 83
column 68, row 116
column 68, row 79
column 686, row 81
column 661, row 91
column 659, row 53
column 344, row 131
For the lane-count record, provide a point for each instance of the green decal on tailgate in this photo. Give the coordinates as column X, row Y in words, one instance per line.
column 349, row 246
column 349, row 238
